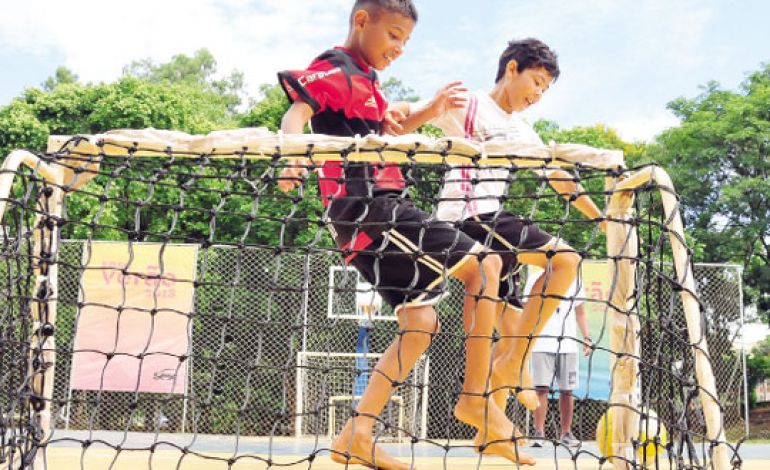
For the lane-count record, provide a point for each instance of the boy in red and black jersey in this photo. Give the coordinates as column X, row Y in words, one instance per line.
column 403, row 252
column 344, row 94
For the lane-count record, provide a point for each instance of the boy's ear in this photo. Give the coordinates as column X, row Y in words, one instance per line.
column 360, row 18
column 513, row 67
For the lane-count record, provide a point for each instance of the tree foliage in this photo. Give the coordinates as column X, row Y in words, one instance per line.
column 758, row 366
column 198, row 70
column 62, row 76
column 269, row 110
column 719, row 160
column 395, row 90
column 127, row 103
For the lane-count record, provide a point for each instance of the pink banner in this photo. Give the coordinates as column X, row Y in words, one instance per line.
column 133, row 330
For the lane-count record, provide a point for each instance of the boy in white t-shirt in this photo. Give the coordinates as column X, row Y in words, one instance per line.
column 555, row 359
column 471, row 196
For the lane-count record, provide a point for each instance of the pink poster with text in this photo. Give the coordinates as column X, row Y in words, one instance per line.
column 133, row 329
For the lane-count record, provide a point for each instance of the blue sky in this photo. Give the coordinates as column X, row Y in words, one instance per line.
column 621, row 60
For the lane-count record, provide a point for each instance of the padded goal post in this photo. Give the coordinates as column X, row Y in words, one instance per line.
column 34, row 187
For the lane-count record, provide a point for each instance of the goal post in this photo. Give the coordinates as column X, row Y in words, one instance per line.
column 623, row 253
column 322, row 381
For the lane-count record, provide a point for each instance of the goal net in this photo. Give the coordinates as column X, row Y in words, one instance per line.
column 159, row 288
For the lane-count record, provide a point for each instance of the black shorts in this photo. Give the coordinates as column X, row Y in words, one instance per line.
column 409, row 256
column 506, row 234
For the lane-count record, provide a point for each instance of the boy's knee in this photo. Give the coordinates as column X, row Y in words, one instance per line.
column 567, row 257
column 420, row 320
column 491, row 264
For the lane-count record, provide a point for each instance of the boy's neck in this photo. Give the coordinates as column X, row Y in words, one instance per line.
column 499, row 96
column 355, row 53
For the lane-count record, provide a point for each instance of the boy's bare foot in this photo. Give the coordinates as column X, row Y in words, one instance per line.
column 358, row 448
column 510, row 451
column 483, row 414
column 510, row 373
column 479, row 439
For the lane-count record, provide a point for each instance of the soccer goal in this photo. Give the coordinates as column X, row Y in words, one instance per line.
column 325, row 396
column 222, row 312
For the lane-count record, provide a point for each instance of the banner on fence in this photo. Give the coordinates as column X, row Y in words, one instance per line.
column 596, row 285
column 134, row 326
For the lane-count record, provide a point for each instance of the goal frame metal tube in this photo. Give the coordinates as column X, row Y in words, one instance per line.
column 622, row 255
column 619, row 241
column 43, row 307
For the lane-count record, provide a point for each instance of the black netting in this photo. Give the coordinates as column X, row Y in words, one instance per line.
column 272, row 318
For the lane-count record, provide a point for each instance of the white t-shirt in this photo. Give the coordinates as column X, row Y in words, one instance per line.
column 480, row 120
column 562, row 322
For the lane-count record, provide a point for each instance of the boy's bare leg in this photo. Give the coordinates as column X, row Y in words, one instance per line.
column 507, row 316
column 354, row 444
column 560, row 270
column 475, row 405
column 508, row 321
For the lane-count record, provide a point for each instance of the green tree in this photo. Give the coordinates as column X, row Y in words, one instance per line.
column 200, row 70
column 62, row 76
column 719, row 160
column 758, row 366
column 395, row 90
column 127, row 103
column 174, row 102
column 269, row 110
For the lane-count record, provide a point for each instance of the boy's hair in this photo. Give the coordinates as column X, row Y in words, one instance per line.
column 529, row 53
column 404, row 7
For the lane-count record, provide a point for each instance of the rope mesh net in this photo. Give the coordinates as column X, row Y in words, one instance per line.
column 264, row 322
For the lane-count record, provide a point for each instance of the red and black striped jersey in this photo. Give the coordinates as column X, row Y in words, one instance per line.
column 346, row 100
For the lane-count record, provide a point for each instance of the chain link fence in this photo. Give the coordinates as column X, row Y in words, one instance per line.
column 259, row 317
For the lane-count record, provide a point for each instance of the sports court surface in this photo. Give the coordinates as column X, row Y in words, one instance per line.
column 227, row 452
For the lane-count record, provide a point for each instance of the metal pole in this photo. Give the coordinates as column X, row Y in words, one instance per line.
column 743, row 354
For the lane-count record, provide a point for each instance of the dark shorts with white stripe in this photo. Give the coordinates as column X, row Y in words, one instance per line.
column 506, row 234
column 409, row 256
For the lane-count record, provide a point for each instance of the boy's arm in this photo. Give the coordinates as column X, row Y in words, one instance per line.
column 451, row 96
column 295, row 118
column 293, row 122
column 563, row 183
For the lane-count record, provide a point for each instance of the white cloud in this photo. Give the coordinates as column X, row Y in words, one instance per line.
column 97, row 40
column 432, row 65
column 644, row 128
column 622, row 60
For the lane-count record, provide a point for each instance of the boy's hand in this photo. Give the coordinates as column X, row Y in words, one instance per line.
column 450, row 96
column 392, row 121
column 292, row 174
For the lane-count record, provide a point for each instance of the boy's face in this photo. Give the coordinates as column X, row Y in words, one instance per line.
column 525, row 88
column 381, row 37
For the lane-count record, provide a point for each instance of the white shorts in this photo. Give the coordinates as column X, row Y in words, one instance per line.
column 547, row 368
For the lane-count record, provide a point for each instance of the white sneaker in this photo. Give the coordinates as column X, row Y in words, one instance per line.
column 568, row 439
column 537, row 439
